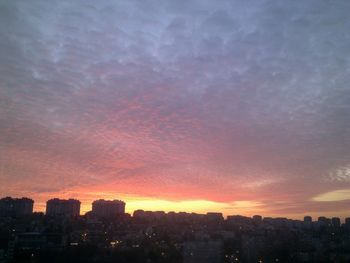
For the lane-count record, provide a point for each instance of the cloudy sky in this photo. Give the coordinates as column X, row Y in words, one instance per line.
column 234, row 106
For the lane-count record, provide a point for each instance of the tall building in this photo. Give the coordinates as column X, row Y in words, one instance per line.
column 307, row 219
column 108, row 208
column 16, row 206
column 59, row 207
column 324, row 221
column 139, row 214
column 257, row 218
column 347, row 221
column 336, row 222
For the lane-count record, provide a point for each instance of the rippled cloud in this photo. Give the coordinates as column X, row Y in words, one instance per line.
column 225, row 101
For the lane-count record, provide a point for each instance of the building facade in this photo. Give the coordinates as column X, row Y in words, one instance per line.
column 59, row 207
column 108, row 208
column 16, row 206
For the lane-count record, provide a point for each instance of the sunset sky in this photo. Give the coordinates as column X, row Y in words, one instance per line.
column 240, row 107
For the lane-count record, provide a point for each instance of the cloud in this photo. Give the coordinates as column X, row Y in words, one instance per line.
column 333, row 196
column 225, row 101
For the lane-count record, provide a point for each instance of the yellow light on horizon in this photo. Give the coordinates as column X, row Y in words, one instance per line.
column 155, row 204
column 338, row 195
column 199, row 206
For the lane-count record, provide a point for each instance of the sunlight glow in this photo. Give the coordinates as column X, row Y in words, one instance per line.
column 338, row 195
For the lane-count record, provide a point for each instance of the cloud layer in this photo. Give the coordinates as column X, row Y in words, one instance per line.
column 224, row 101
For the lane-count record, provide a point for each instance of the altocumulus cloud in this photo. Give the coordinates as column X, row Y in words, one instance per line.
column 219, row 100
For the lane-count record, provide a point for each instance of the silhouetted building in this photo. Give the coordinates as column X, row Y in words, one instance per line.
column 268, row 220
column 335, row 221
column 257, row 219
column 214, row 217
column 16, row 206
column 307, row 219
column 156, row 236
column 347, row 221
column 324, row 220
column 152, row 215
column 139, row 213
column 59, row 207
column 108, row 208
column 238, row 219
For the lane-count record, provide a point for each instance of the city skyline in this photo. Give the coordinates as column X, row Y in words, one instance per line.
column 229, row 106
column 108, row 234
column 115, row 208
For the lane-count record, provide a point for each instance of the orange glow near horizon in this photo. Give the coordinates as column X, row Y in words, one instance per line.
column 188, row 200
column 133, row 202
column 152, row 204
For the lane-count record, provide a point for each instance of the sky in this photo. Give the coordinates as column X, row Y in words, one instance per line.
column 240, row 107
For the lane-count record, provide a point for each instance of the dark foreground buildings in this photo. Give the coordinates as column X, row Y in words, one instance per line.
column 108, row 209
column 110, row 235
column 16, row 206
column 66, row 208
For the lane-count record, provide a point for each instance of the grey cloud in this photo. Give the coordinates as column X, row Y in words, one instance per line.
column 223, row 84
